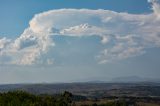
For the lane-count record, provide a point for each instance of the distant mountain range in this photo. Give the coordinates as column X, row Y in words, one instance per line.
column 125, row 79
column 130, row 79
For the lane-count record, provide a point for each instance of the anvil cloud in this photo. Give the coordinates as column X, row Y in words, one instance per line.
column 126, row 35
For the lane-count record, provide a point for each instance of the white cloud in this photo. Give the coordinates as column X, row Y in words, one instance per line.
column 4, row 42
column 126, row 34
column 155, row 7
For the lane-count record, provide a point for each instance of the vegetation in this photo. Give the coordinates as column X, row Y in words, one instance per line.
column 22, row 98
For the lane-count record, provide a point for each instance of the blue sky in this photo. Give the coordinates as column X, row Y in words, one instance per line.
column 16, row 14
column 82, row 48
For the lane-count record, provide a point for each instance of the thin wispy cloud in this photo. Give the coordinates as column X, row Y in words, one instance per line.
column 123, row 35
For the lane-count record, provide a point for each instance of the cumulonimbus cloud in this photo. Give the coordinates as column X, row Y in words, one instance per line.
column 126, row 34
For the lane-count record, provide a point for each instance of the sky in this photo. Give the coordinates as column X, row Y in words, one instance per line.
column 78, row 40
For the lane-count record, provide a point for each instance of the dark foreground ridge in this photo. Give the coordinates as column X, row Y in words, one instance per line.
column 21, row 98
